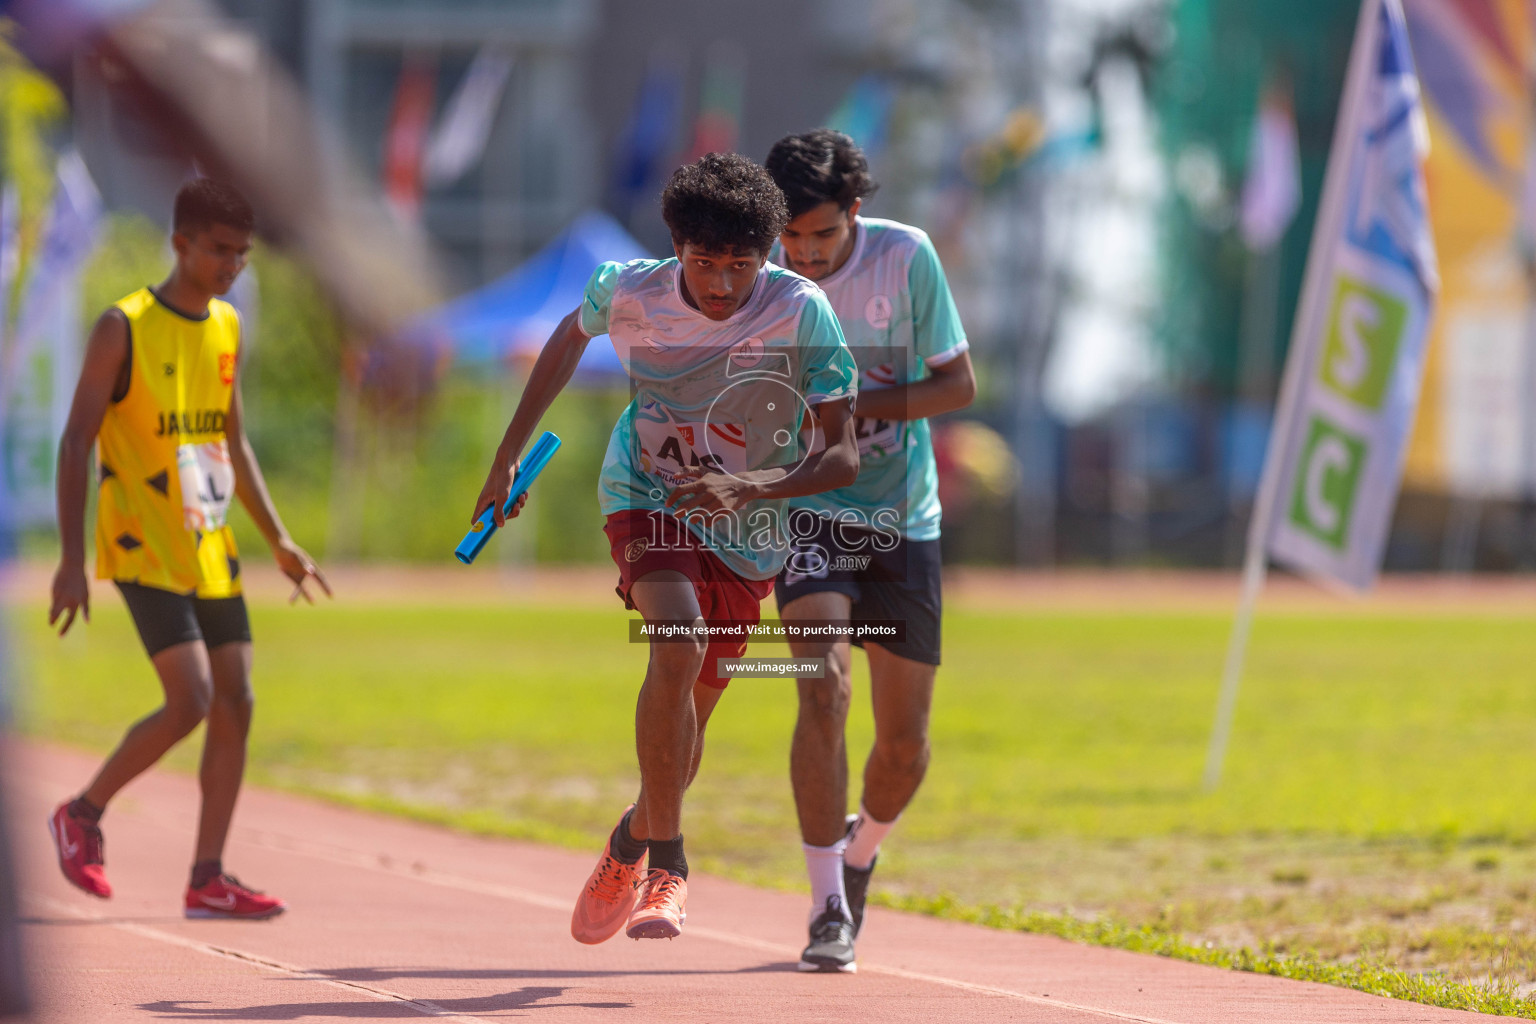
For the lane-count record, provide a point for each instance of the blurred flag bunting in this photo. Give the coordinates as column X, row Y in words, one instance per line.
column 459, row 140
column 1272, row 190
column 405, row 141
column 648, row 137
column 864, row 113
column 42, row 359
column 10, row 261
column 720, row 93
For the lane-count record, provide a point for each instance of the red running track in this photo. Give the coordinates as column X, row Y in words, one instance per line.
column 395, row 921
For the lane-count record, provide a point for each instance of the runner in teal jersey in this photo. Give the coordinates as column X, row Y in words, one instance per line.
column 872, row 555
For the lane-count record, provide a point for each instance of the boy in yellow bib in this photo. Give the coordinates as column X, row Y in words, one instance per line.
column 159, row 397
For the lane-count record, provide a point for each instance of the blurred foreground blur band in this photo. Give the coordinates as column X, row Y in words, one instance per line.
column 13, row 986
column 207, row 89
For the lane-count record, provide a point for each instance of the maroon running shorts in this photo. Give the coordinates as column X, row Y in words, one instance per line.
column 633, row 537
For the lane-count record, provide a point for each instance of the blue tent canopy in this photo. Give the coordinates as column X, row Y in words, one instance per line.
column 511, row 318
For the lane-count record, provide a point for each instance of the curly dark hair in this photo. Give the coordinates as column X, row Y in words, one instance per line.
column 820, row 166
column 204, row 202
column 724, row 203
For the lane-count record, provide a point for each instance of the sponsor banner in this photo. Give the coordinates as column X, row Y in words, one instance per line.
column 1359, row 348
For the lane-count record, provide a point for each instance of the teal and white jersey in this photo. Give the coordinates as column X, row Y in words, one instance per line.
column 899, row 320
column 728, row 395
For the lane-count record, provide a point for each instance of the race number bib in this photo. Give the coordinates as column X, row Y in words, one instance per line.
column 668, row 448
column 874, row 437
column 207, row 484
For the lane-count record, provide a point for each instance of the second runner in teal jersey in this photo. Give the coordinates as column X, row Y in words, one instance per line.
column 869, row 556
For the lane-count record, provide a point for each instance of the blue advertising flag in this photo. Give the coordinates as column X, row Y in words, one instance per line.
column 1358, row 351
column 648, row 137
column 1356, row 363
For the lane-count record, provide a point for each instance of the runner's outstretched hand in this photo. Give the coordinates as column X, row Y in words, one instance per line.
column 298, row 567
column 71, row 595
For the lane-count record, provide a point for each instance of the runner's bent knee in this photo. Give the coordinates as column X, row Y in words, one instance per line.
column 679, row 660
column 904, row 753
column 187, row 707
column 826, row 699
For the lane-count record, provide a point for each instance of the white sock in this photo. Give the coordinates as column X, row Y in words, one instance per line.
column 864, row 839
column 824, row 864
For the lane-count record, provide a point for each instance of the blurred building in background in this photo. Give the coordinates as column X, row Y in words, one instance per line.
column 1122, row 192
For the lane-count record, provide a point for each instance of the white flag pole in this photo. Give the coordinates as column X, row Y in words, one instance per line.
column 1305, row 334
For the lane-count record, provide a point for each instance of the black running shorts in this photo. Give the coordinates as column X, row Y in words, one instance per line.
column 900, row 584
column 165, row 618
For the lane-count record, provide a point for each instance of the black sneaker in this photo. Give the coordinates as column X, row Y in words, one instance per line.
column 856, row 884
column 831, row 946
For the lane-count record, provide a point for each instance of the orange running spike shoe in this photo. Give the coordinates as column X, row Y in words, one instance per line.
column 663, row 906
column 610, row 894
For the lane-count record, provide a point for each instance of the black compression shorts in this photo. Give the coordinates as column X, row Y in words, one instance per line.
column 884, row 583
column 165, row 618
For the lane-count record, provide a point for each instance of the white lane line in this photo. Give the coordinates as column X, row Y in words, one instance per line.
column 383, row 995
column 358, row 859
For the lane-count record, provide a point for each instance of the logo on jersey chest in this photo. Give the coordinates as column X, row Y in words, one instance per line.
column 877, row 312
column 749, row 354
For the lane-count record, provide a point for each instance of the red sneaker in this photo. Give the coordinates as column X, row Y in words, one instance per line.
column 226, row 897
column 79, row 844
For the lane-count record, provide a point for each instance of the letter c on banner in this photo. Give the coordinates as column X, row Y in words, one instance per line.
column 1329, row 456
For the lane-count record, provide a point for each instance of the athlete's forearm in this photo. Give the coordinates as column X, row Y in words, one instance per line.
column 73, row 469
column 948, row 389
column 835, row 466
column 825, row 471
column 919, row 400
column 251, row 489
column 551, row 372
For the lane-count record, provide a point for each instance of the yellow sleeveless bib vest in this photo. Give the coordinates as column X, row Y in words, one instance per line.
column 166, row 478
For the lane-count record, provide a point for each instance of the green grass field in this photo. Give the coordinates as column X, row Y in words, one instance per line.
column 1379, row 806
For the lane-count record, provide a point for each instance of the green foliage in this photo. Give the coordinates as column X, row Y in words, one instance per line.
column 289, row 387
column 413, row 482
column 132, row 252
column 291, row 374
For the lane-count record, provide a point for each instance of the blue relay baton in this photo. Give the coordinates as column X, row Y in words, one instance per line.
column 528, row 470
